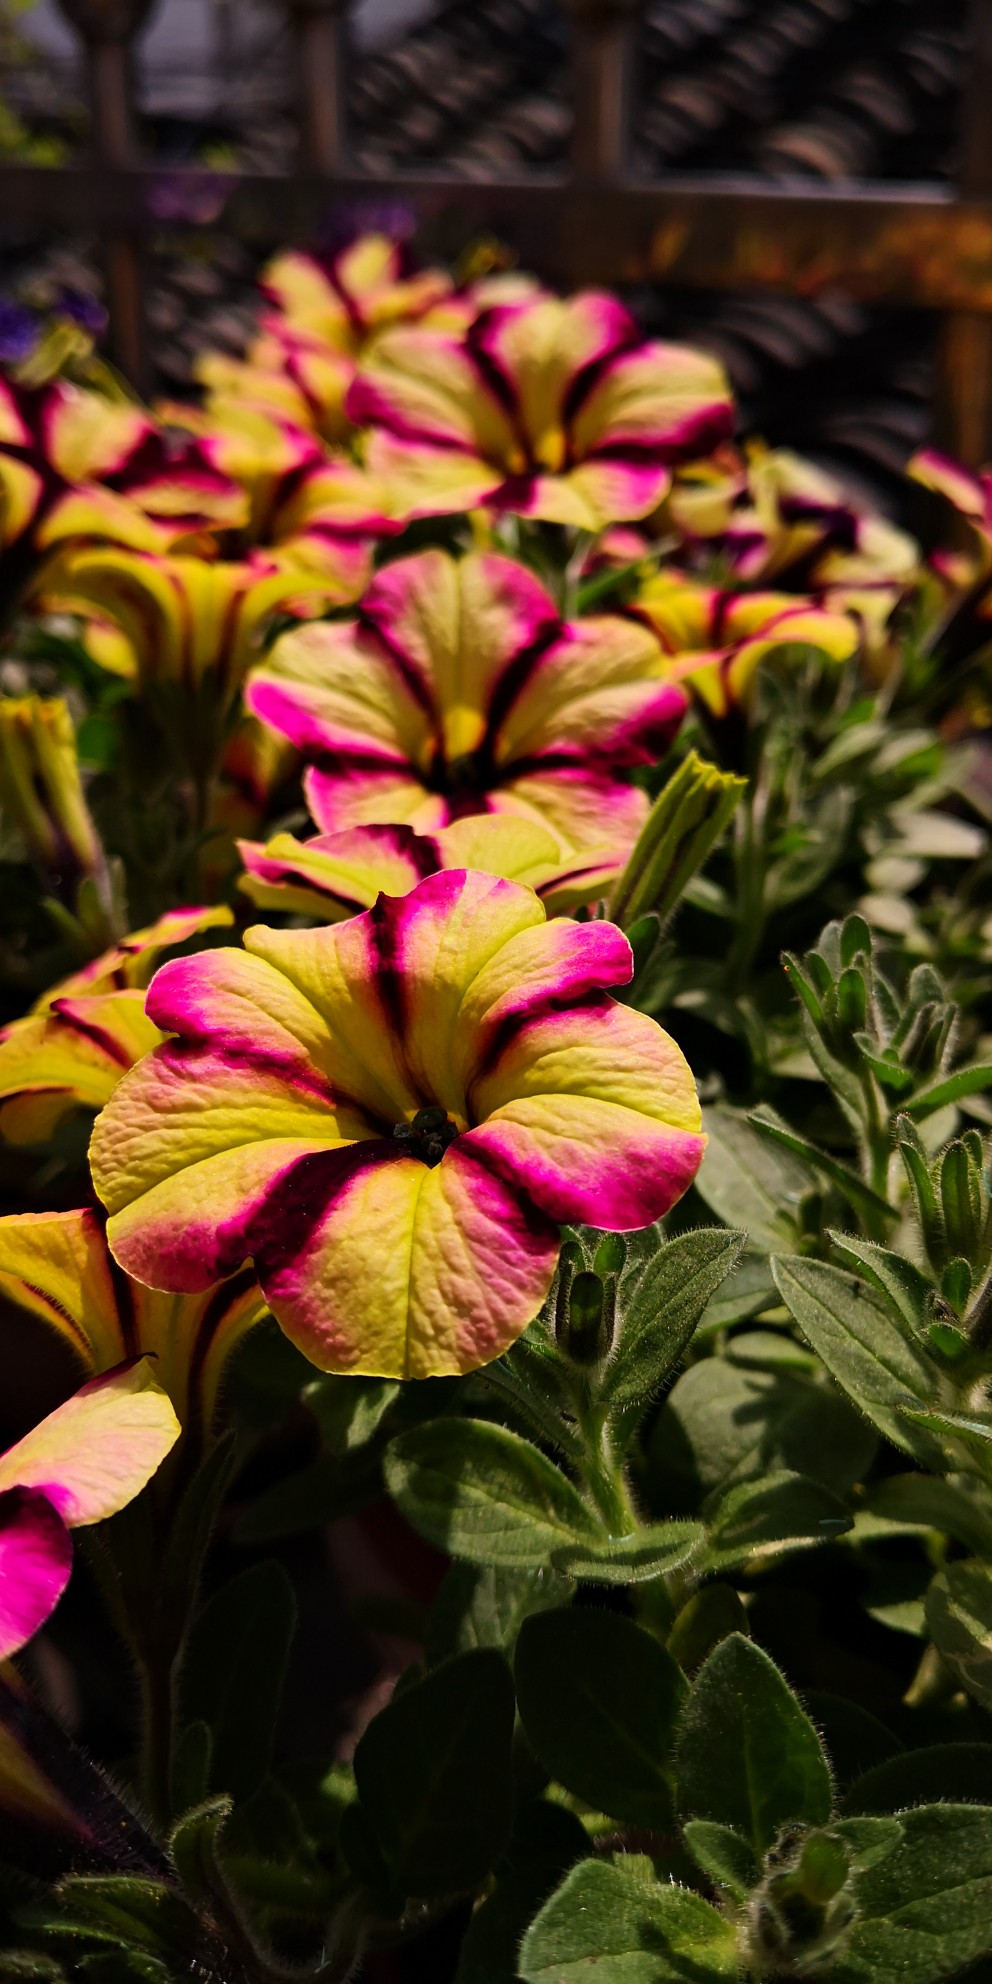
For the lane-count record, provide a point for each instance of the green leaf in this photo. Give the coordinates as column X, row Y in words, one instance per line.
column 758, row 1519
column 485, row 1605
column 854, row 1189
column 651, row 1552
column 747, row 1182
column 349, row 1411
column 870, row 1354
column 747, row 1755
column 724, row 1856
column 433, row 1772
column 949, row 1088
column 485, row 1494
column 923, row 1893
column 958, row 1772
column 726, row 1420
column 895, row 1278
column 134, row 1911
column 604, row 1926
column 966, row 1437
column 709, row 1616
column 959, row 1615
column 923, row 1502
column 668, row 1301
column 233, row 1673
column 608, row 1742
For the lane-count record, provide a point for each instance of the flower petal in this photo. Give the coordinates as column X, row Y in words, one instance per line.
column 594, row 1113
column 96, row 1452
column 331, row 697
column 409, row 1271
column 584, row 806
column 335, row 875
column 71, row 1057
column 35, row 1566
column 662, row 398
column 423, row 386
column 55, row 1265
column 594, row 696
column 422, row 479
column 364, row 795
column 459, row 626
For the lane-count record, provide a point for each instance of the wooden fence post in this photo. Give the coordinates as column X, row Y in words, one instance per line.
column 107, row 28
column 604, row 36
column 321, row 28
column 963, row 385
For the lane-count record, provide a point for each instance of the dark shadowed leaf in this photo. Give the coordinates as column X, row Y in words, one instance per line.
column 599, row 1699
column 434, row 1779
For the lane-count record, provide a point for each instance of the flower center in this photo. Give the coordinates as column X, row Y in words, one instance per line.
column 428, row 1136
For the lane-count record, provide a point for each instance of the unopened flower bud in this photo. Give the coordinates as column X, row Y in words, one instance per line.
column 684, row 824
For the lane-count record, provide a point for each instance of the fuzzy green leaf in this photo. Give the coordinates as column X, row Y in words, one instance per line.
column 604, row 1926
column 747, row 1755
column 485, row 1494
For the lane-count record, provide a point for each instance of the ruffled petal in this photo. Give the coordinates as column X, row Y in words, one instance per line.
column 594, row 696
column 423, row 386
column 585, row 806
column 335, row 875
column 593, row 1112
column 409, row 1271
column 459, row 626
column 367, row 795
column 96, row 1452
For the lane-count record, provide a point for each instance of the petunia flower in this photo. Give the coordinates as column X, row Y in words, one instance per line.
column 769, row 516
column 58, row 1268
column 390, row 1116
column 180, row 625
column 366, row 287
column 548, row 408
column 77, row 465
column 300, row 508
column 86, row 1461
column 72, row 1049
column 335, row 875
column 716, row 641
column 459, row 691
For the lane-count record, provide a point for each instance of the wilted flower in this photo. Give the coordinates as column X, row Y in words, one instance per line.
column 715, row 641
column 390, row 1116
column 86, row 1461
column 57, row 1266
column 41, row 790
column 549, row 408
column 72, row 1049
column 459, row 691
column 335, row 875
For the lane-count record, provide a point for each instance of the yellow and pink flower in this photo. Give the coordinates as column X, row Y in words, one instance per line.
column 333, row 876
column 551, row 409
column 391, row 1116
column 71, row 1050
column 459, row 690
column 86, row 1461
column 57, row 1267
column 77, row 465
column 715, row 641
